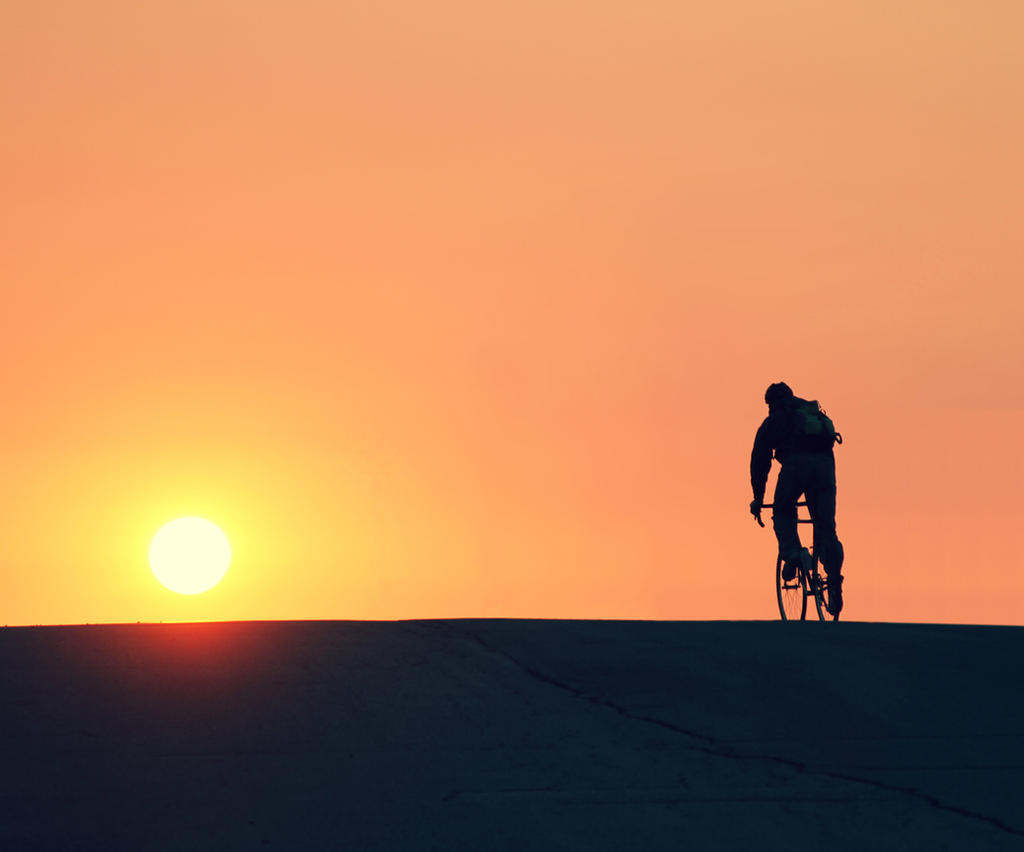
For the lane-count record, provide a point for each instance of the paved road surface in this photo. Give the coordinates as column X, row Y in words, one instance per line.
column 511, row 735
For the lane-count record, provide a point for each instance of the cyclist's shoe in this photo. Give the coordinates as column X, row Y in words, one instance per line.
column 803, row 558
column 835, row 594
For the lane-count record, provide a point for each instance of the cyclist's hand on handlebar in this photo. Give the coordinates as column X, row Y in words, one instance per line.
column 755, row 510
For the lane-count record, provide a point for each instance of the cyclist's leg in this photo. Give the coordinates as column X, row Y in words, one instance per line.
column 787, row 491
column 821, row 501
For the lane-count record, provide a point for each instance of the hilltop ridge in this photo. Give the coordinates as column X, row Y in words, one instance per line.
column 511, row 734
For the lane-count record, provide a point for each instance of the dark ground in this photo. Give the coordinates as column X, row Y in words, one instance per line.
column 511, row 735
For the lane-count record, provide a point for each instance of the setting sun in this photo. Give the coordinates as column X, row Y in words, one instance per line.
column 189, row 555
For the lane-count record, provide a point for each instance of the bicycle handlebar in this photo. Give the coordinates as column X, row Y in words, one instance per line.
column 760, row 523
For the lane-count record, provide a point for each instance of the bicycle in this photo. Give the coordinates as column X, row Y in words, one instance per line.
column 793, row 594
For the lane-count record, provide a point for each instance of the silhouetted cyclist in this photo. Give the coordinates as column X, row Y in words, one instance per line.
column 802, row 438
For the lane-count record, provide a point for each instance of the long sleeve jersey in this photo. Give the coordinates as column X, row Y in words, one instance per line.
column 775, row 435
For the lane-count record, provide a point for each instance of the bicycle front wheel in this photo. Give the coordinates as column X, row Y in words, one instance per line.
column 792, row 594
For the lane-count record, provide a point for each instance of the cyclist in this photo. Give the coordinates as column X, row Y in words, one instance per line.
column 808, row 468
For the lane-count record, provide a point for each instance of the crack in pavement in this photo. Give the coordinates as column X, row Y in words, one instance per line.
column 643, row 795
column 716, row 748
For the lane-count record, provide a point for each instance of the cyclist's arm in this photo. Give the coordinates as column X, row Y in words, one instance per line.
column 761, row 461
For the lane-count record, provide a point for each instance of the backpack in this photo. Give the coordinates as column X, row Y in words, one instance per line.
column 812, row 427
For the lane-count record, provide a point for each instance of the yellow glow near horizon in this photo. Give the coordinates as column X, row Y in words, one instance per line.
column 190, row 555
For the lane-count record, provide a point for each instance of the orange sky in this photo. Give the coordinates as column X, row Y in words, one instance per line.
column 463, row 309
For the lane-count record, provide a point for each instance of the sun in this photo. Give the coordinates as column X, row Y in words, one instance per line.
column 190, row 555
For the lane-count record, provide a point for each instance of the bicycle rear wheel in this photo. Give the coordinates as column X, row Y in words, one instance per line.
column 792, row 594
column 819, row 586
